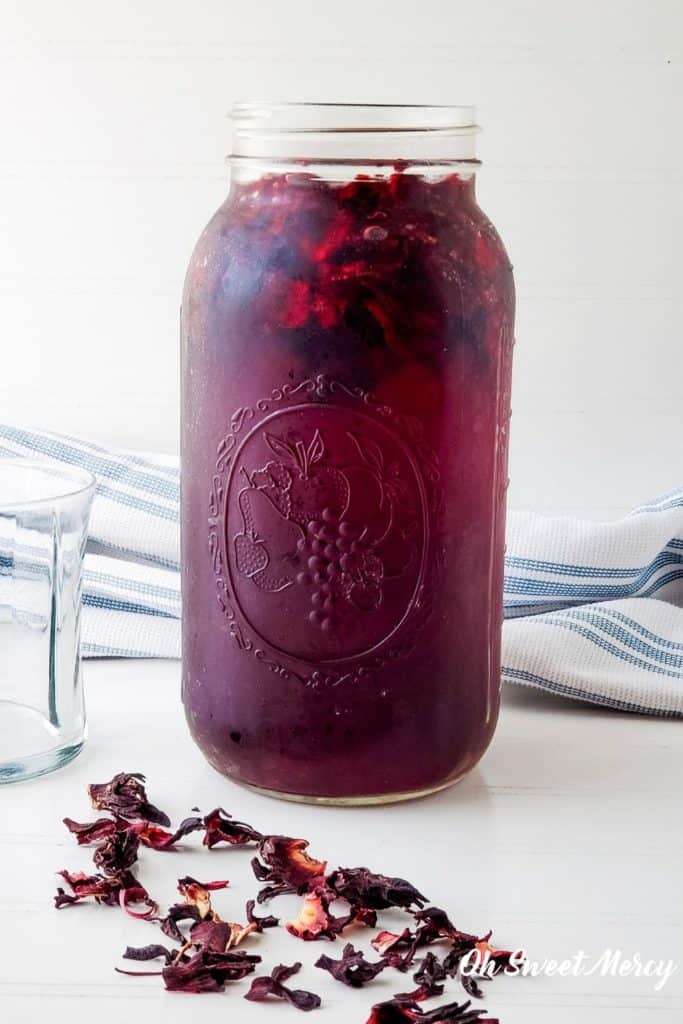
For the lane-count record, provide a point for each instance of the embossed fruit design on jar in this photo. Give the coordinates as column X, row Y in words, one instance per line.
column 347, row 336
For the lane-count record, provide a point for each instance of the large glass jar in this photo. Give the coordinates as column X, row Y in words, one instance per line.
column 347, row 332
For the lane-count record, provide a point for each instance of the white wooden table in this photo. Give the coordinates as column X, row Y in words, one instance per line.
column 567, row 837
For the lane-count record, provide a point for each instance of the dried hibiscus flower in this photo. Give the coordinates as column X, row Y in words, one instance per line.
column 178, row 912
column 220, row 936
column 125, row 795
column 196, row 893
column 207, row 957
column 263, row 987
column 396, row 1011
column 158, row 839
column 366, row 916
column 430, row 977
column 491, row 959
column 118, row 852
column 93, row 831
column 207, row 972
column 211, row 933
column 434, row 923
column 385, row 942
column 397, row 948
column 364, row 888
column 152, row 952
column 315, row 920
column 287, row 865
column 101, row 889
column 122, row 888
column 353, row 969
column 149, row 835
column 267, row 921
column 220, row 828
column 213, row 936
column 499, row 958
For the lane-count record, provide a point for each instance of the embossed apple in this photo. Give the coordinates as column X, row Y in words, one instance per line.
column 314, row 487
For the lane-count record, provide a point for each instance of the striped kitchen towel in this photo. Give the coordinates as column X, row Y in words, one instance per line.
column 594, row 610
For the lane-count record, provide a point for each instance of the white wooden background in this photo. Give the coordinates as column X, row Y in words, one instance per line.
column 112, row 143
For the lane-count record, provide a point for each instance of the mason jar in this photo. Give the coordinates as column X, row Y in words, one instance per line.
column 347, row 328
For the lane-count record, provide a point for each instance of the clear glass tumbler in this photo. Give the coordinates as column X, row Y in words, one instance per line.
column 44, row 512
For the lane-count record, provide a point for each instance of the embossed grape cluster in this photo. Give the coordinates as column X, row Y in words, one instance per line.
column 333, row 553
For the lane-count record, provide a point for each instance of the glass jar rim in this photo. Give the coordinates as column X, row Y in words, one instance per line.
column 371, row 131
column 69, row 482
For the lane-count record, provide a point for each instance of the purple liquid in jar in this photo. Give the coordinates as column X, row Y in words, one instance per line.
column 346, row 367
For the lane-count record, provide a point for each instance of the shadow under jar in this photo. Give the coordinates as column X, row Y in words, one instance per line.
column 347, row 331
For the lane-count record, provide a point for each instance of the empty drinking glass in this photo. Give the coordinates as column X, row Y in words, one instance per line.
column 44, row 511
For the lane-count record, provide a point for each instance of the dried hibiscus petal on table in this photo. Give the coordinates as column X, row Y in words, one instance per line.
column 149, row 835
column 100, row 888
column 209, row 931
column 495, row 960
column 377, row 892
column 122, row 888
column 397, row 1011
column 267, row 921
column 315, row 921
column 125, row 795
column 175, row 914
column 490, row 961
column 262, row 988
column 207, row 971
column 353, row 969
column 386, row 942
column 152, row 952
column 134, row 893
column 158, row 839
column 118, row 852
column 207, row 957
column 93, row 831
column 429, row 977
column 434, row 923
column 287, row 865
column 196, row 906
column 397, row 948
column 219, row 936
column 220, row 827
column 196, row 893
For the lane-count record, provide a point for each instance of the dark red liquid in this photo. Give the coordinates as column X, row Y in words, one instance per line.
column 346, row 400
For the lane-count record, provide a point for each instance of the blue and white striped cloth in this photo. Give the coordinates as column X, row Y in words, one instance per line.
column 593, row 610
